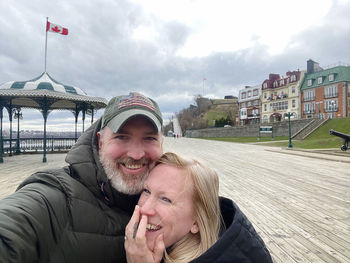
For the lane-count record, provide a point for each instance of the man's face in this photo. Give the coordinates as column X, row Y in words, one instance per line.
column 128, row 155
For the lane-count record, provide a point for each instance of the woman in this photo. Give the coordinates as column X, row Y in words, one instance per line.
column 178, row 216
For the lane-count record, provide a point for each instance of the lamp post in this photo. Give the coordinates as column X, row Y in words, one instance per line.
column 290, row 131
column 18, row 115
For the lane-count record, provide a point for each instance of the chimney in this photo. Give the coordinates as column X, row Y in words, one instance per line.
column 313, row 66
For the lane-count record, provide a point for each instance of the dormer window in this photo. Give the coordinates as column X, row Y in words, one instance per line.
column 275, row 84
column 293, row 78
column 330, row 77
column 265, row 85
column 319, row 80
column 309, row 82
column 282, row 82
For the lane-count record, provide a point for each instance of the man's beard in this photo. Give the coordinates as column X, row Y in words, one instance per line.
column 124, row 183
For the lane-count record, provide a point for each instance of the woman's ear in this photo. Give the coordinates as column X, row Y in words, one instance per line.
column 194, row 228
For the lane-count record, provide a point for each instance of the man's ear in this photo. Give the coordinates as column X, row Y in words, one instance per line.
column 99, row 139
column 194, row 228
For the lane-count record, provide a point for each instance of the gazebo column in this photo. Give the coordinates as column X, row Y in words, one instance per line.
column 76, row 115
column 1, row 143
column 92, row 115
column 83, row 118
column 45, row 107
column 10, row 112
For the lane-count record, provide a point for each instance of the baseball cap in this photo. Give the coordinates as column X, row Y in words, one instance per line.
column 122, row 108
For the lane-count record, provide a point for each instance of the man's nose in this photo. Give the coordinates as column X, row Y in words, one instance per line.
column 136, row 151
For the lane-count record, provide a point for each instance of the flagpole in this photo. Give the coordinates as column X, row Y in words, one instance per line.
column 47, row 20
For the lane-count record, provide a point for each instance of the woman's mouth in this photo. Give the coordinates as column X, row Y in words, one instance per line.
column 152, row 228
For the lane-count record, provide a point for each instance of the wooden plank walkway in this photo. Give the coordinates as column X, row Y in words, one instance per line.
column 299, row 205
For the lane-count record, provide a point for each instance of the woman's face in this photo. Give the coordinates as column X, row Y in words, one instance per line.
column 167, row 202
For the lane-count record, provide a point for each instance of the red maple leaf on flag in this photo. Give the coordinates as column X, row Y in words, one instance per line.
column 55, row 29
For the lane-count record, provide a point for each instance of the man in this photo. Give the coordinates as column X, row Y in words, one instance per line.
column 79, row 213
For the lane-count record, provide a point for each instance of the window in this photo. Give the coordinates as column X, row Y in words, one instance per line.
column 309, row 82
column 243, row 105
column 309, row 95
column 293, row 78
column 330, row 92
column 256, row 103
column 255, row 92
column 309, row 108
column 281, row 82
column 244, row 95
column 265, row 106
column 319, row 80
column 249, row 94
column 265, row 95
column 265, row 85
column 330, row 77
column 293, row 103
column 249, row 103
column 293, row 89
column 331, row 105
column 275, row 84
column 265, row 118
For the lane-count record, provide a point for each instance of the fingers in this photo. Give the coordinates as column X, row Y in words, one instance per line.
column 159, row 248
column 131, row 228
column 141, row 231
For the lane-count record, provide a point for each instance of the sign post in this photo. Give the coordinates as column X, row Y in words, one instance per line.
column 265, row 129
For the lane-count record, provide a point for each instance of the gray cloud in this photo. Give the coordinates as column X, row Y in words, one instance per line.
column 101, row 57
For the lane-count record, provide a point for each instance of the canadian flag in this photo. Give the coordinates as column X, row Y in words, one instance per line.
column 56, row 28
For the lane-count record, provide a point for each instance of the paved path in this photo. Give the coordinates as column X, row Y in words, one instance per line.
column 299, row 205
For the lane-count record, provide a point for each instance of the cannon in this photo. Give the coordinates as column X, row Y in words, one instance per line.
column 346, row 138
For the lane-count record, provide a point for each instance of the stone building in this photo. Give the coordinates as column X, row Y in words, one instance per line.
column 249, row 105
column 280, row 94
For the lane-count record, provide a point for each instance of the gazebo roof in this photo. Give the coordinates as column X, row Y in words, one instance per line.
column 29, row 93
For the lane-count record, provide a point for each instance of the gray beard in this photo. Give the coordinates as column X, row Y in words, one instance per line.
column 116, row 178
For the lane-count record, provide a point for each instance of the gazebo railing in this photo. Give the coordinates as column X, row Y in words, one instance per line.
column 37, row 144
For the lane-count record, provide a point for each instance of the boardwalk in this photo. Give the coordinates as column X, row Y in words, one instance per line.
column 299, row 205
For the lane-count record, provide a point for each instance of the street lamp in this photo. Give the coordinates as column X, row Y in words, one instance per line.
column 290, row 132
column 18, row 115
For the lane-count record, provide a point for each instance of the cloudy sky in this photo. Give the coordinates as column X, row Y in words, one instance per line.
column 165, row 48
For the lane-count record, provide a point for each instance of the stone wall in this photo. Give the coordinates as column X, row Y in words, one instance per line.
column 279, row 129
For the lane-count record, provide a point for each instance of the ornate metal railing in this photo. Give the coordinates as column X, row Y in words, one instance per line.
column 37, row 144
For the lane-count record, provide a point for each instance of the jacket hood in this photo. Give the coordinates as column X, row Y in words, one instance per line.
column 239, row 242
column 85, row 166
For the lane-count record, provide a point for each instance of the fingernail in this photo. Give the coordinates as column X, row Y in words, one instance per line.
column 137, row 207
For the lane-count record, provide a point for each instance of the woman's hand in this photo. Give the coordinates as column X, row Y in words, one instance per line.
column 135, row 243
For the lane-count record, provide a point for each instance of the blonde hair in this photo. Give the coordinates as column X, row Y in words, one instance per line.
column 206, row 209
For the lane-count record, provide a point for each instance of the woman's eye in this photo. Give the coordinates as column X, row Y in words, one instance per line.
column 166, row 200
column 146, row 191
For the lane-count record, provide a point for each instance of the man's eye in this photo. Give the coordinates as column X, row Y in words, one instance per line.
column 121, row 137
column 165, row 199
column 150, row 138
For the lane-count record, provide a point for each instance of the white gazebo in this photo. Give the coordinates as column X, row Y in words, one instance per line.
column 45, row 94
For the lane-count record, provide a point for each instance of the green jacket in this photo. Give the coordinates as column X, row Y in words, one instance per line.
column 70, row 214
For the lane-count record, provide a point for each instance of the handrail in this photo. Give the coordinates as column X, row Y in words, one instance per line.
column 37, row 144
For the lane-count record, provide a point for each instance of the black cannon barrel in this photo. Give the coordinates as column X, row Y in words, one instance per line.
column 340, row 134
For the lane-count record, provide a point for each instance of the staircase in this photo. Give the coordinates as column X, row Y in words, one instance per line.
column 309, row 128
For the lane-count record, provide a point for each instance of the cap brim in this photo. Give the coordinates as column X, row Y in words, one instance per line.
column 118, row 121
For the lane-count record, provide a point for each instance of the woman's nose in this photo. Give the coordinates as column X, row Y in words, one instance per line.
column 148, row 207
